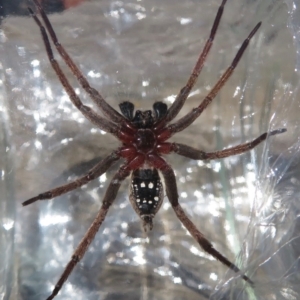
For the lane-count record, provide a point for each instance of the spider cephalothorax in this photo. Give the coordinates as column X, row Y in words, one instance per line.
column 144, row 137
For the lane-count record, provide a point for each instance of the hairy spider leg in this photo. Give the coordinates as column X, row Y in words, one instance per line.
column 108, row 111
column 190, row 117
column 192, row 153
column 172, row 194
column 185, row 91
column 108, row 199
column 99, row 169
column 88, row 112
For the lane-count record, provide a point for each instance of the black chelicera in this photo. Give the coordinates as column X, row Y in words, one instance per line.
column 143, row 136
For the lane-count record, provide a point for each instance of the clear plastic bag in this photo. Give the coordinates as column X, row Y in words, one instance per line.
column 144, row 52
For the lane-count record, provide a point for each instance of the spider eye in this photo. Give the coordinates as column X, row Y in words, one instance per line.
column 143, row 119
column 127, row 109
column 160, row 109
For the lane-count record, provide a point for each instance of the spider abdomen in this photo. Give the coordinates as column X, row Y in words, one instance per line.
column 146, row 194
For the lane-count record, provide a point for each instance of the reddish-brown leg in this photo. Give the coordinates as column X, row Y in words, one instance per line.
column 193, row 153
column 185, row 91
column 109, row 112
column 91, row 115
column 172, row 194
column 190, row 117
column 108, row 199
column 95, row 172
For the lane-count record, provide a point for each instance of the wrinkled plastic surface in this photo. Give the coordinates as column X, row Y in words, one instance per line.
column 144, row 51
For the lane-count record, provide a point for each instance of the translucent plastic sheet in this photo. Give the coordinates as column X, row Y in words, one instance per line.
column 144, row 51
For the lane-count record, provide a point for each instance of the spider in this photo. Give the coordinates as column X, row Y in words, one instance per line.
column 144, row 139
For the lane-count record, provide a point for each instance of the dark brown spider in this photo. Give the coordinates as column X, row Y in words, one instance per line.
column 144, row 136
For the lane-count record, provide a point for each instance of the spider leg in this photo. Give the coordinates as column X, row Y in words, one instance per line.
column 185, row 91
column 108, row 199
column 109, row 112
column 190, row 117
column 95, row 172
column 172, row 194
column 193, row 153
column 204, row 243
column 95, row 118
